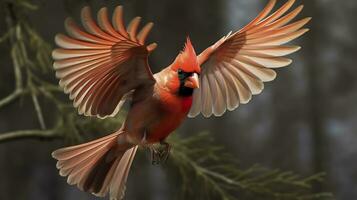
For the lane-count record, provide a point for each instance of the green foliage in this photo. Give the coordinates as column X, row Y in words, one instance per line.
column 207, row 171
column 203, row 168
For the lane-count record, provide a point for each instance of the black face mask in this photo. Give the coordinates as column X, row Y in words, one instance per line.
column 183, row 90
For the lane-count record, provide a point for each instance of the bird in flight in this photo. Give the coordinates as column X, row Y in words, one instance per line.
column 105, row 64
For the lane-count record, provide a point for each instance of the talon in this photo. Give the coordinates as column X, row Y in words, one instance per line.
column 166, row 151
column 160, row 154
column 154, row 156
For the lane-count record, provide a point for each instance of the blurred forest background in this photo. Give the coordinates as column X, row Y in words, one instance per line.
column 276, row 147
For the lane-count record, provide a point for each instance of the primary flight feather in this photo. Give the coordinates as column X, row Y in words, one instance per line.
column 105, row 64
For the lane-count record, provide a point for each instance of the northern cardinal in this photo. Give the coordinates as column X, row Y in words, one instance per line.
column 106, row 64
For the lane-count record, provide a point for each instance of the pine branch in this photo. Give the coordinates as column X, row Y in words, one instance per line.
column 204, row 166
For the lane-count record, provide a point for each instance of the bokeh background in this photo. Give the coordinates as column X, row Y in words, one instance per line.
column 305, row 121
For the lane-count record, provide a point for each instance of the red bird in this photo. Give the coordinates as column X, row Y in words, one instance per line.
column 106, row 64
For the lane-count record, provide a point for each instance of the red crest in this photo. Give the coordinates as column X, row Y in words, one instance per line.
column 187, row 59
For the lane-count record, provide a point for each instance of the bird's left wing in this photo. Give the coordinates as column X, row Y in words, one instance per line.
column 102, row 65
column 235, row 67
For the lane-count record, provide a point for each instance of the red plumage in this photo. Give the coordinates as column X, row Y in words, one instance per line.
column 187, row 59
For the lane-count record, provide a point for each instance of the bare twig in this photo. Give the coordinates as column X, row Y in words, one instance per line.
column 38, row 110
column 5, row 36
column 33, row 134
column 10, row 98
column 36, row 104
column 17, row 72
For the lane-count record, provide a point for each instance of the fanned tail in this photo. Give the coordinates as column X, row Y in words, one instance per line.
column 99, row 166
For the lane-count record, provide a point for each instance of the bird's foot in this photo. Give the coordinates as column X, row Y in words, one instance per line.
column 160, row 154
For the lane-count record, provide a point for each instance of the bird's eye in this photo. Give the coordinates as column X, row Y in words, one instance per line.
column 179, row 71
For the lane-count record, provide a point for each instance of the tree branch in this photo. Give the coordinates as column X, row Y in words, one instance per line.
column 11, row 97
column 10, row 18
column 29, row 134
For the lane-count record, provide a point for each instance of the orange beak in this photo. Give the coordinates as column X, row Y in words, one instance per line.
column 192, row 81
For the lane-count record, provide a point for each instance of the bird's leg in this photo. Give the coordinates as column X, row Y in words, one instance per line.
column 165, row 152
column 155, row 155
column 159, row 154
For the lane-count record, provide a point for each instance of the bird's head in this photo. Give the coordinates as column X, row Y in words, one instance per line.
column 187, row 69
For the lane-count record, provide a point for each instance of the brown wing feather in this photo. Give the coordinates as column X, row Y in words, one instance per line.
column 101, row 65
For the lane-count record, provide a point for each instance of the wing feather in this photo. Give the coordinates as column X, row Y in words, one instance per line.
column 218, row 102
column 251, row 81
column 236, row 67
column 275, row 51
column 221, row 108
column 233, row 99
column 254, row 69
column 265, row 12
column 105, row 25
column 118, row 21
column 101, row 65
column 133, row 28
column 278, row 23
column 91, row 26
column 74, row 31
column 206, row 97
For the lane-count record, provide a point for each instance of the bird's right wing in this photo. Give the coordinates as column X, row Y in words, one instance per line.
column 101, row 66
column 235, row 67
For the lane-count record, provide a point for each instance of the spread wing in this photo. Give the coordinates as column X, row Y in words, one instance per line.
column 235, row 67
column 103, row 64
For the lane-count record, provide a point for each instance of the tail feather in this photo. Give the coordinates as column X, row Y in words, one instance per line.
column 99, row 166
column 98, row 173
column 69, row 152
column 117, row 186
column 104, row 190
column 70, row 165
column 80, row 171
column 81, row 155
